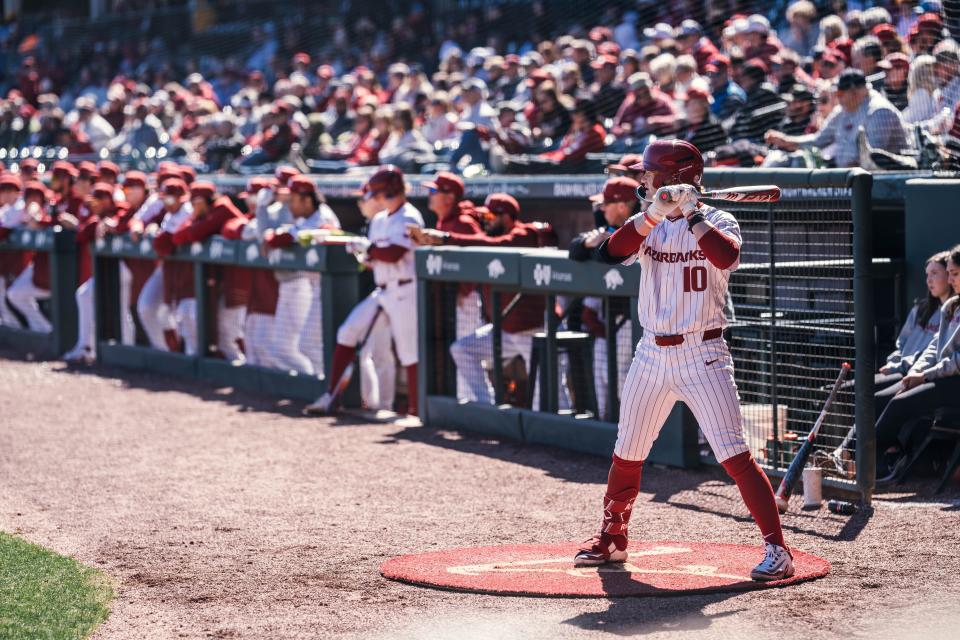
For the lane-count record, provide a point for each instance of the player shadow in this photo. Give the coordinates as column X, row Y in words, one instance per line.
column 557, row 463
column 242, row 399
column 648, row 615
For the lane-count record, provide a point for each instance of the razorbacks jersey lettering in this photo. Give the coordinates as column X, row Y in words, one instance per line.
column 680, row 290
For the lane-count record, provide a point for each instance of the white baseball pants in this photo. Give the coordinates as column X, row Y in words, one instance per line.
column 186, row 317
column 468, row 320
column 311, row 335
column 258, row 339
column 230, row 321
column 155, row 314
column 624, row 346
column 473, row 354
column 698, row 373
column 293, row 309
column 128, row 330
column 23, row 295
column 7, row 317
column 86, row 322
column 399, row 304
column 378, row 367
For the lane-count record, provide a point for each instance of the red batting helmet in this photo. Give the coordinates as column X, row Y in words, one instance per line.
column 672, row 162
column 388, row 180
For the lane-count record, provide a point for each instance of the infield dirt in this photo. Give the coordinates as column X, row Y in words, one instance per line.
column 219, row 514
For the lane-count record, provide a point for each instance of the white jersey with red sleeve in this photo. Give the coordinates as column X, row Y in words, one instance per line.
column 390, row 228
column 681, row 291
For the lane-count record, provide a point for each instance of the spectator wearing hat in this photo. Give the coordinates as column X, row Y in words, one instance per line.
column 859, row 106
column 889, row 40
column 699, row 127
column 691, row 41
column 644, row 109
column 586, row 135
column 802, row 31
column 829, row 64
column 801, row 105
column 502, row 228
column 866, row 55
column 758, row 39
column 297, row 339
column 947, row 54
column 896, row 86
column 12, row 263
column 606, row 91
column 440, row 124
column 476, row 113
column 90, row 124
column 728, row 96
column 763, row 109
column 618, row 202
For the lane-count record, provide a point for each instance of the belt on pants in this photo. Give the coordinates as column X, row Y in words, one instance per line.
column 672, row 341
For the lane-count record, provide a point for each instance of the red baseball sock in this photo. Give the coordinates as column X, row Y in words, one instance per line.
column 757, row 494
column 412, row 389
column 623, row 485
column 342, row 356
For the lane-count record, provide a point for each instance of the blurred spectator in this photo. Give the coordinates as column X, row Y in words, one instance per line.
column 859, row 106
column 802, row 32
column 763, row 108
column 607, row 92
column 644, row 108
column 801, row 106
column 728, row 96
column 922, row 91
column 700, row 127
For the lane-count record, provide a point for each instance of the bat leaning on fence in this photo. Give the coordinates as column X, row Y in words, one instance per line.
column 341, row 385
column 800, row 460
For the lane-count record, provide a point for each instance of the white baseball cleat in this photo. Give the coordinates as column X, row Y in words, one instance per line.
column 322, row 406
column 777, row 564
column 599, row 550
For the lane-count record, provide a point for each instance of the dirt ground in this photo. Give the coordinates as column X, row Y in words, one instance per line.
column 219, row 514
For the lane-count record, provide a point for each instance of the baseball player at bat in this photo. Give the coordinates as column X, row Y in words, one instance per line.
column 687, row 251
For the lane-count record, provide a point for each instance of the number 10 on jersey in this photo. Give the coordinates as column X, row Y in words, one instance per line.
column 694, row 279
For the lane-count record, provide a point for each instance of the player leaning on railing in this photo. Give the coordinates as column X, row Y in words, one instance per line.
column 687, row 251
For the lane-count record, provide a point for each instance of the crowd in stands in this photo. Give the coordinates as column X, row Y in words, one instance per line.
column 823, row 86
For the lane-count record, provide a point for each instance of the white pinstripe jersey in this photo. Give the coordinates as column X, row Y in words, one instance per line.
column 390, row 228
column 680, row 290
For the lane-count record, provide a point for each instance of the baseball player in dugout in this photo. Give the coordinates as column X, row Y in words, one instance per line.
column 615, row 204
column 686, row 251
column 457, row 215
column 502, row 228
column 389, row 254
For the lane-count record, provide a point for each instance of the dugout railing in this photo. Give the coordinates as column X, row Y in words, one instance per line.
column 342, row 285
column 60, row 306
column 803, row 302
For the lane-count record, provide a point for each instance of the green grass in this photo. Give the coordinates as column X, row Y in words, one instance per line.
column 45, row 595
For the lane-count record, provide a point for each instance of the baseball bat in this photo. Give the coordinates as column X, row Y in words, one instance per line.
column 759, row 193
column 347, row 375
column 782, row 495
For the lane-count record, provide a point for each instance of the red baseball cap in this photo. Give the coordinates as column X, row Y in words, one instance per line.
column 10, row 181
column 254, row 185
column 284, row 174
column 188, row 174
column 102, row 190
column 87, row 170
column 301, row 58
column 502, row 203
column 696, row 93
column 175, row 187
column 202, row 189
column 135, row 179
column 447, row 182
column 35, row 188
column 885, row 32
column 618, row 189
column 29, row 164
column 604, row 60
column 62, row 167
column 302, row 185
column 108, row 168
column 930, row 21
column 720, row 63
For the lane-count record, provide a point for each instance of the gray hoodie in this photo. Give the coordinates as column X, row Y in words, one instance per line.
column 912, row 341
column 941, row 358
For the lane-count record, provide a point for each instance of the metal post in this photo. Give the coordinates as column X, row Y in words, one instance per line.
column 774, row 396
column 861, row 185
column 63, row 288
column 612, row 371
column 200, row 297
column 496, row 309
column 425, row 371
column 106, row 298
column 550, row 360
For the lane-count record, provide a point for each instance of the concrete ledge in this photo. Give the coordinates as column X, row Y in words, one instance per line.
column 26, row 341
column 481, row 418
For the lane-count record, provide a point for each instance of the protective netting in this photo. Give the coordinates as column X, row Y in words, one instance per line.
column 495, row 86
column 794, row 321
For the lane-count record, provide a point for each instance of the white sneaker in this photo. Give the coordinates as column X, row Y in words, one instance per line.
column 777, row 564
column 322, row 406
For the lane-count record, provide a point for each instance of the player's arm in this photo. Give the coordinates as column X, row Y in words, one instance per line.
column 627, row 240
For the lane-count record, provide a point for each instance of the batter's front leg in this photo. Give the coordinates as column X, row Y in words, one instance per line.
column 648, row 398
